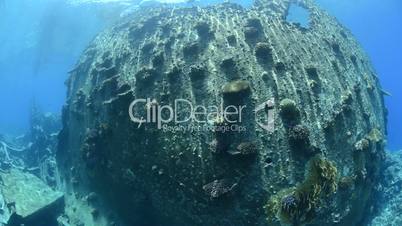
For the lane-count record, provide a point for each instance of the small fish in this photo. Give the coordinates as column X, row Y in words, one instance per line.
column 386, row 93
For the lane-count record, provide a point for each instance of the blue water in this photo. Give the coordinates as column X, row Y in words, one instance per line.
column 377, row 26
column 41, row 41
column 298, row 15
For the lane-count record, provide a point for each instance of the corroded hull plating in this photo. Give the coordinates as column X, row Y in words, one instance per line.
column 319, row 166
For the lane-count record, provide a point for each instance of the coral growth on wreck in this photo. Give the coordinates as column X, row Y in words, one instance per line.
column 297, row 205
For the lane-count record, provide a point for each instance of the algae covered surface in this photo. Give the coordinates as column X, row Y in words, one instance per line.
column 326, row 97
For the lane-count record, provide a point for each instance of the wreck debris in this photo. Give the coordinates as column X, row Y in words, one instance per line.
column 227, row 55
column 34, row 200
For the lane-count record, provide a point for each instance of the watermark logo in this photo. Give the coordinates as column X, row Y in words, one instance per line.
column 267, row 110
column 184, row 115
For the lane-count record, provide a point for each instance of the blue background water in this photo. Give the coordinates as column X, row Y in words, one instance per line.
column 41, row 40
column 377, row 26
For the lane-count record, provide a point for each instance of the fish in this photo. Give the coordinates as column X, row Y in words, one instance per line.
column 386, row 93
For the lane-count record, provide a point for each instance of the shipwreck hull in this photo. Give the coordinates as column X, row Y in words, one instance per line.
column 319, row 166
